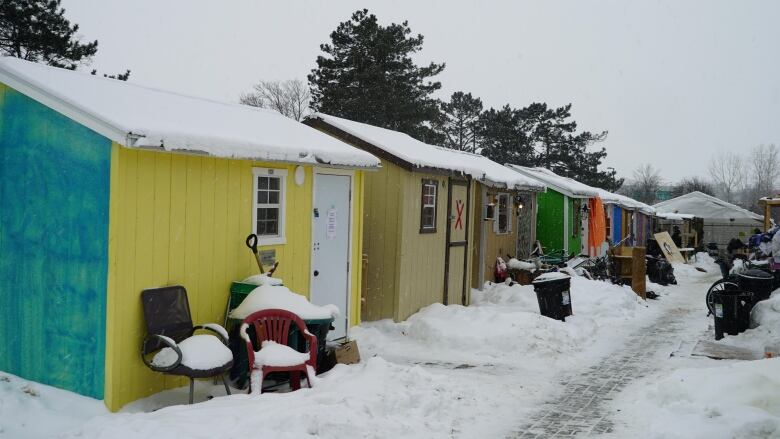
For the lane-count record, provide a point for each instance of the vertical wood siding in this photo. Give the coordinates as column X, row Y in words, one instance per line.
column 382, row 241
column 526, row 234
column 549, row 220
column 422, row 254
column 496, row 244
column 180, row 219
column 54, row 209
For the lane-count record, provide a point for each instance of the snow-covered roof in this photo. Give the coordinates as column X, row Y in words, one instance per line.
column 422, row 155
column 675, row 216
column 575, row 189
column 624, row 201
column 567, row 186
column 705, row 206
column 144, row 117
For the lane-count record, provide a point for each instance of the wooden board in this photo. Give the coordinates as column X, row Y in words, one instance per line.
column 638, row 269
column 669, row 248
column 719, row 351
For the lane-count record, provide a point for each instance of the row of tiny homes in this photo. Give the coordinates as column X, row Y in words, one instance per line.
column 583, row 220
column 109, row 188
column 435, row 219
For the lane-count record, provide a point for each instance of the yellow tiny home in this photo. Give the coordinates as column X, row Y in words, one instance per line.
column 152, row 188
column 418, row 228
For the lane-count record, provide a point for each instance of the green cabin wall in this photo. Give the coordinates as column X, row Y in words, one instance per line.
column 550, row 230
column 54, row 199
column 549, row 220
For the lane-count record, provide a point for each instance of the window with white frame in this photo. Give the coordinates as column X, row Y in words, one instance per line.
column 503, row 220
column 428, row 206
column 268, row 215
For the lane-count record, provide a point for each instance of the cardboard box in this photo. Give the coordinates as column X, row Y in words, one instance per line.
column 348, row 353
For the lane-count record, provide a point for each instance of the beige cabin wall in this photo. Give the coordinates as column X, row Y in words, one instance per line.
column 496, row 244
column 422, row 254
column 384, row 192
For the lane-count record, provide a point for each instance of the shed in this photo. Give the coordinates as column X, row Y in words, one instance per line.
column 721, row 221
column 415, row 255
column 109, row 188
column 560, row 223
column 505, row 218
column 626, row 218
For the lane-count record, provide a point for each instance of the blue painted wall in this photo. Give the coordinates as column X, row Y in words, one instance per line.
column 617, row 224
column 54, row 195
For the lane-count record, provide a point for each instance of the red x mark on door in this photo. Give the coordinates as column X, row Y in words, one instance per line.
column 459, row 214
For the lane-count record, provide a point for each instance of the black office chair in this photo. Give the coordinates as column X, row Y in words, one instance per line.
column 170, row 337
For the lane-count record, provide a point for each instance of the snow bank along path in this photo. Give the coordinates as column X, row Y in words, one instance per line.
column 448, row 371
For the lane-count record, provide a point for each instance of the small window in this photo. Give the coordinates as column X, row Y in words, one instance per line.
column 608, row 224
column 428, row 206
column 268, row 215
column 503, row 222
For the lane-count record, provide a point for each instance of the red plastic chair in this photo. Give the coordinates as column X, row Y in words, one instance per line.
column 274, row 325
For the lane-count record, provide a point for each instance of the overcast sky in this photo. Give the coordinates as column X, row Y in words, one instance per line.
column 674, row 82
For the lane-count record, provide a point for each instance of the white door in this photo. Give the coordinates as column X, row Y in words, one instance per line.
column 330, row 247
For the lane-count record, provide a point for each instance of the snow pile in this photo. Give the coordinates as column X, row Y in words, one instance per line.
column 765, row 327
column 693, row 272
column 515, row 264
column 137, row 116
column 503, row 326
column 262, row 279
column 277, row 355
column 706, row 262
column 374, row 399
column 34, row 410
column 741, row 400
column 199, row 352
column 280, row 297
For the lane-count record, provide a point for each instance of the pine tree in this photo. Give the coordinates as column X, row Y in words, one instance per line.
column 367, row 74
column 461, row 119
column 38, row 31
column 541, row 136
column 502, row 138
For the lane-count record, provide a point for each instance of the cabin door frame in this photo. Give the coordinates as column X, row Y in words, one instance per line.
column 458, row 214
column 322, row 240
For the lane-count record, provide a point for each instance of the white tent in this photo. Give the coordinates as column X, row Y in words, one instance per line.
column 722, row 221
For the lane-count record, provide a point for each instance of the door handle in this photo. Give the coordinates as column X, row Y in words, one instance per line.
column 316, row 273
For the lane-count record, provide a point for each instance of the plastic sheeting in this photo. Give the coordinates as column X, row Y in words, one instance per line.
column 597, row 225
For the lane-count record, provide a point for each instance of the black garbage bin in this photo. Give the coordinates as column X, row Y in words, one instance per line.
column 758, row 282
column 553, row 293
column 319, row 328
column 732, row 311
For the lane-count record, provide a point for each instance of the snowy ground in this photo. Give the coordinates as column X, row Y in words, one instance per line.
column 488, row 370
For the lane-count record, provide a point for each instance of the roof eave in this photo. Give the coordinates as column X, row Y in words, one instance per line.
column 70, row 110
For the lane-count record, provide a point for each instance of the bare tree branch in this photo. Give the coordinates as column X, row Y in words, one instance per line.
column 291, row 97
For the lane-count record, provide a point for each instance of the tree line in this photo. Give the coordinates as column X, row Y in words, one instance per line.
column 738, row 178
column 366, row 73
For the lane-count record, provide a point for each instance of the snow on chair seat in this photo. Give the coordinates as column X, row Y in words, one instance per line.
column 274, row 354
column 199, row 352
column 169, row 336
